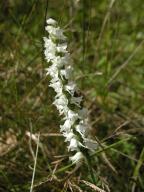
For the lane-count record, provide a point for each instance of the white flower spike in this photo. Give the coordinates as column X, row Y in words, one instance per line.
column 69, row 105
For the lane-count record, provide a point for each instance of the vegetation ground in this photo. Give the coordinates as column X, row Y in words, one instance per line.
column 106, row 39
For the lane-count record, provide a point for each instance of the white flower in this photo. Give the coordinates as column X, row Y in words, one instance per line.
column 49, row 44
column 62, row 48
column 66, row 126
column 52, row 71
column 72, row 115
column 55, row 79
column 51, row 21
column 55, row 32
column 49, row 56
column 71, row 87
column 61, row 104
column 58, row 61
column 77, row 157
column 74, row 143
column 50, row 49
column 76, row 100
column 61, row 100
column 83, row 113
column 57, row 86
column 81, row 128
column 66, row 59
column 67, row 73
column 90, row 144
column 68, row 135
column 63, row 73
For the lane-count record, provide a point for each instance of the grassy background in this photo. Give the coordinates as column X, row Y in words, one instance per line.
column 106, row 41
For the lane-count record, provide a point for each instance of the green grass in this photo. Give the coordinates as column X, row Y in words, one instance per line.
column 106, row 39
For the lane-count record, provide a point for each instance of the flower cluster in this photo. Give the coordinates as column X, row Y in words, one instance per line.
column 67, row 99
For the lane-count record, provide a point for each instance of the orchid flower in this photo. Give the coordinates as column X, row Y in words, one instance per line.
column 75, row 126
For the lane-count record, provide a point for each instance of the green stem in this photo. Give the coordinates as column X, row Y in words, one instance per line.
column 110, row 146
column 91, row 170
column 89, row 164
column 64, row 168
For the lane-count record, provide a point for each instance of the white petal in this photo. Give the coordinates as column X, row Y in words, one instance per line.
column 49, row 44
column 90, row 144
column 51, row 21
column 81, row 128
column 68, row 135
column 57, row 86
column 72, row 115
column 83, row 113
column 70, row 87
column 62, row 48
column 49, row 56
column 62, row 109
column 76, row 100
column 50, row 29
column 56, row 32
column 66, row 126
column 74, row 143
column 50, row 49
column 62, row 100
column 66, row 59
column 52, row 71
column 67, row 72
column 77, row 157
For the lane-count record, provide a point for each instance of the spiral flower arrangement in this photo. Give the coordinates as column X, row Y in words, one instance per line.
column 75, row 127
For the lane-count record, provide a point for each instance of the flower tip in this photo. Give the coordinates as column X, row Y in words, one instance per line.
column 51, row 21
